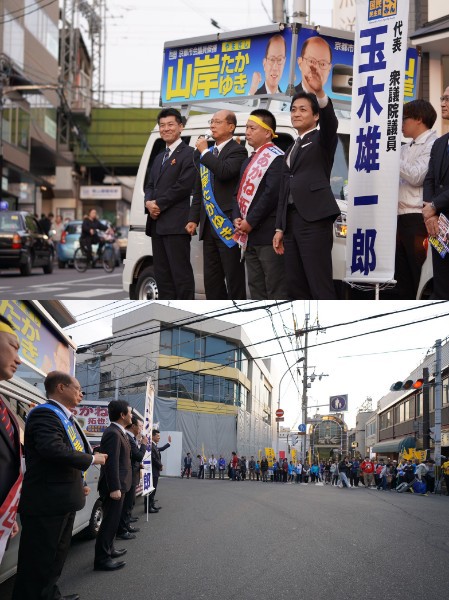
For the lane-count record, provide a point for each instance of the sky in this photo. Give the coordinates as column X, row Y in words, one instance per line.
column 360, row 366
column 136, row 31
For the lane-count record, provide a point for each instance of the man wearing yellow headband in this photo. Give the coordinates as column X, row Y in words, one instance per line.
column 9, row 433
column 255, row 206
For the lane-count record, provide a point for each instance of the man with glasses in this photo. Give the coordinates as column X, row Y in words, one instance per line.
column 273, row 66
column 436, row 202
column 53, row 489
column 217, row 178
column 315, row 64
column 167, row 204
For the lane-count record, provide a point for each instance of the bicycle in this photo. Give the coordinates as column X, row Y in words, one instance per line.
column 105, row 254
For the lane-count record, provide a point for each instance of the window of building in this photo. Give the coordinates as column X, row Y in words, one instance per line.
column 42, row 27
column 183, row 343
column 166, row 341
column 13, row 39
column 385, row 420
column 164, row 383
column 418, row 405
column 220, row 351
column 445, row 391
column 16, row 126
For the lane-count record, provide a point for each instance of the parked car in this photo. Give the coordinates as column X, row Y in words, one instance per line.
column 122, row 239
column 70, row 242
column 23, row 244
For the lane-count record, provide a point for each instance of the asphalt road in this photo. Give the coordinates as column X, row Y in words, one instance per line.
column 222, row 540
column 63, row 284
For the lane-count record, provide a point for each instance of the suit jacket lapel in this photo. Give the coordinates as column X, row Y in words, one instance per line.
column 444, row 157
column 168, row 161
column 307, row 139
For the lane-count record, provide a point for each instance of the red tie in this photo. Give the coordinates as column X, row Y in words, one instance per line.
column 5, row 419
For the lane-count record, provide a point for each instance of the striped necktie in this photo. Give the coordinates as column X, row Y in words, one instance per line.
column 6, row 420
column 165, row 157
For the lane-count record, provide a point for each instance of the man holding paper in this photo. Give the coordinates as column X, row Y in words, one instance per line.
column 436, row 199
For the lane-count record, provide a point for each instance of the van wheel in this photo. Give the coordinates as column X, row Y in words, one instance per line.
column 95, row 520
column 146, row 286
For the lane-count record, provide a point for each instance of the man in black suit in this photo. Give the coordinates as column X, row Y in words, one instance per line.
column 167, row 204
column 115, row 481
column 436, row 199
column 156, row 466
column 10, row 467
column 315, row 63
column 307, row 206
column 138, row 449
column 53, row 489
column 273, row 66
column 265, row 268
column 224, row 272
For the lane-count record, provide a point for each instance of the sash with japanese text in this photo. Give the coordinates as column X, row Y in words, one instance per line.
column 250, row 182
column 220, row 223
column 376, row 122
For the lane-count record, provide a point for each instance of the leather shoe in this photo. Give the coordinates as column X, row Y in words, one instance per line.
column 157, row 507
column 71, row 597
column 126, row 536
column 133, row 529
column 109, row 565
column 133, row 519
column 117, row 553
column 153, row 510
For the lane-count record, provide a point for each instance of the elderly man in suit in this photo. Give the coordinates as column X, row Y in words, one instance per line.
column 115, row 481
column 167, row 204
column 307, row 206
column 315, row 63
column 256, row 202
column 10, row 468
column 436, row 199
column 224, row 272
column 53, row 489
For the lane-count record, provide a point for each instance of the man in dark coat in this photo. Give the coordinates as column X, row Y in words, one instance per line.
column 436, row 199
column 265, row 268
column 53, row 489
column 10, row 469
column 224, row 272
column 115, row 481
column 156, row 466
column 167, row 204
column 138, row 450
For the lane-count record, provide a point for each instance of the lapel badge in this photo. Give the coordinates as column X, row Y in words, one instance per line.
column 173, row 162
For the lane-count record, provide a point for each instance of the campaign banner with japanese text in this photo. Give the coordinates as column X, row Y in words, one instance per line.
column 376, row 124
column 147, row 428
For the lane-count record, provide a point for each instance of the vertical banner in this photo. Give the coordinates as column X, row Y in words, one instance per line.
column 147, row 428
column 376, row 123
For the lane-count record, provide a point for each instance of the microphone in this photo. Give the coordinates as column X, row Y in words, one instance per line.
column 207, row 135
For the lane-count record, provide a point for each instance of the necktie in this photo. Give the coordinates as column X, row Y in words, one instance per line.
column 215, row 151
column 165, row 157
column 6, row 420
column 294, row 151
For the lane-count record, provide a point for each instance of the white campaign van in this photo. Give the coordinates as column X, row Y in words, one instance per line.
column 138, row 273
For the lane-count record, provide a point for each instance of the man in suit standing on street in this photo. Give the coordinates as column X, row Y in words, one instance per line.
column 167, row 204
column 436, row 202
column 138, row 449
column 224, row 272
column 115, row 481
column 53, row 489
column 307, row 206
column 10, row 455
column 256, row 202
column 156, row 466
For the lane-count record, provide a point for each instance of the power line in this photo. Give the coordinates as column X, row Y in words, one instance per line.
column 40, row 7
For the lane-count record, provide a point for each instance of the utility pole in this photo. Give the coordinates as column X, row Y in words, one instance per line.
column 438, row 403
column 278, row 11
column 304, row 387
column 425, row 409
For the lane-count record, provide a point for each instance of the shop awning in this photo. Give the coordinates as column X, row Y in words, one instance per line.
column 397, row 445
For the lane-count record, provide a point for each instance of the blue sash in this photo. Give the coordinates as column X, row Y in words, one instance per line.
column 71, row 430
column 220, row 223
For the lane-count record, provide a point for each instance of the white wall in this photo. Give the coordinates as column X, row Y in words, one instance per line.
column 172, row 457
column 437, row 9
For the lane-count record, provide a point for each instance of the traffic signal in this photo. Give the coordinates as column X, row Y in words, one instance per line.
column 407, row 384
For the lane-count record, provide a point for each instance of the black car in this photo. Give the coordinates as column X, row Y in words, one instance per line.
column 23, row 244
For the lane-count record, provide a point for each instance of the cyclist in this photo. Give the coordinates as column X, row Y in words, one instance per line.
column 89, row 234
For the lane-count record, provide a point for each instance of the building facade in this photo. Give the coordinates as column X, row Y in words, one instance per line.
column 209, row 383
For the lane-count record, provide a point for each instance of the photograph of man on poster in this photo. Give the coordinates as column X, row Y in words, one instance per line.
column 315, row 64
column 273, row 66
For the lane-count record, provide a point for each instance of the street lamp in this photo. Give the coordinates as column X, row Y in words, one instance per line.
column 279, row 397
